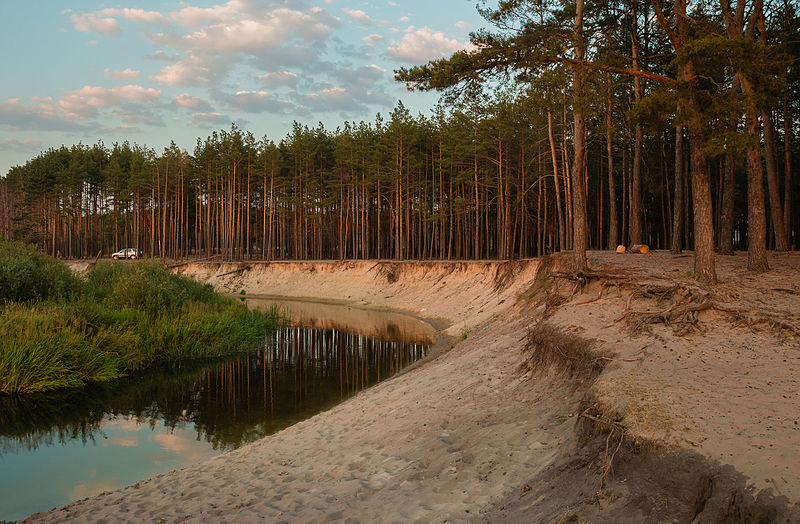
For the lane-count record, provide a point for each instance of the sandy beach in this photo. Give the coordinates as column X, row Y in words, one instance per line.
column 700, row 414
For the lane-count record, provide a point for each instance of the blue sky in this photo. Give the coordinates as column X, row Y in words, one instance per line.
column 153, row 71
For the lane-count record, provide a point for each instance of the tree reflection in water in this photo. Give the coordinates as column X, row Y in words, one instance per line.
column 229, row 401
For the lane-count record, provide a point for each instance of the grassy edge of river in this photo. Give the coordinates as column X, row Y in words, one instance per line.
column 59, row 329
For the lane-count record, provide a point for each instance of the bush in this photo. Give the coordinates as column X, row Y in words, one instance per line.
column 26, row 274
column 124, row 317
column 146, row 286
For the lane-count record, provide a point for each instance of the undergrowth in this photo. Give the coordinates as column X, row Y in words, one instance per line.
column 58, row 330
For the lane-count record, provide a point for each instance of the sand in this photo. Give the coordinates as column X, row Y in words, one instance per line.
column 468, row 436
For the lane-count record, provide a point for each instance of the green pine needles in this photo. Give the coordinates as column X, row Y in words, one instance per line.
column 58, row 330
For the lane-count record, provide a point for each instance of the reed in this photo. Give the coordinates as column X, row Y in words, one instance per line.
column 122, row 317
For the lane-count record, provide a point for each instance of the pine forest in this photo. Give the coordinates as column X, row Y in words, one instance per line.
column 566, row 127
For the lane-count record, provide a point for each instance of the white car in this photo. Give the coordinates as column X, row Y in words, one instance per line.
column 130, row 252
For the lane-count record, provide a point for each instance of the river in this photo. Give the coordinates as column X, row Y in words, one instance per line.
column 63, row 446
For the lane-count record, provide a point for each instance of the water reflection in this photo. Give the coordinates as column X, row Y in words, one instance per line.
column 57, row 447
column 382, row 325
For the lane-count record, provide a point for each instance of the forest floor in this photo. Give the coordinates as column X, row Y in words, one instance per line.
column 632, row 394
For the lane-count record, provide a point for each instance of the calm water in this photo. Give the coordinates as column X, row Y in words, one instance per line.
column 57, row 448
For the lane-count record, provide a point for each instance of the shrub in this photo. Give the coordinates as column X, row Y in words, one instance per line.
column 146, row 286
column 26, row 274
column 124, row 317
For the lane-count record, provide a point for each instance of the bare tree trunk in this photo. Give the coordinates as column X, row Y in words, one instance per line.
column 756, row 214
column 677, row 213
column 613, row 239
column 580, row 262
column 559, row 212
column 635, row 235
column 776, row 211
column 728, row 192
column 775, row 207
column 704, row 260
column 787, row 151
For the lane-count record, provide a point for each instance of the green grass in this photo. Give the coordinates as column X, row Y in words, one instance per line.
column 60, row 331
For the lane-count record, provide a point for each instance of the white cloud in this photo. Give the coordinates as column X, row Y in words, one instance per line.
column 243, row 34
column 191, row 102
column 358, row 15
column 328, row 98
column 233, row 32
column 462, row 25
column 332, row 98
column 43, row 115
column 279, row 78
column 421, row 45
column 105, row 22
column 404, row 19
column 135, row 15
column 127, row 74
column 161, row 56
column 45, row 106
column 209, row 119
column 193, row 17
column 192, row 71
column 103, row 25
column 85, row 101
column 373, row 38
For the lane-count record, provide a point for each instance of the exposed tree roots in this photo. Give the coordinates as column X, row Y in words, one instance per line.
column 616, row 433
column 681, row 303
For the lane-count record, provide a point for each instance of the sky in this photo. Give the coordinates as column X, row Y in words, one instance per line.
column 150, row 71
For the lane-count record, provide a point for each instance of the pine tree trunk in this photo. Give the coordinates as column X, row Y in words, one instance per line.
column 559, row 212
column 635, row 233
column 726, row 220
column 580, row 262
column 704, row 260
column 775, row 206
column 613, row 238
column 756, row 214
column 788, row 182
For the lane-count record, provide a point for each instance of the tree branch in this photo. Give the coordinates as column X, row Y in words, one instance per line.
column 613, row 69
column 665, row 24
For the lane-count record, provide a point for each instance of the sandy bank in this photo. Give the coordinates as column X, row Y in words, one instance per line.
column 709, row 415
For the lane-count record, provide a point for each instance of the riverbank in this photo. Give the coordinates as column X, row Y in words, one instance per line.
column 59, row 330
column 700, row 416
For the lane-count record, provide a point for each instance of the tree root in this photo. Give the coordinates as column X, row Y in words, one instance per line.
column 240, row 270
column 777, row 320
column 682, row 302
column 683, row 312
column 583, row 279
column 608, row 460
column 192, row 261
column 683, row 317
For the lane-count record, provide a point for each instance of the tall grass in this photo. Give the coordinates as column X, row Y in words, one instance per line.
column 122, row 317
